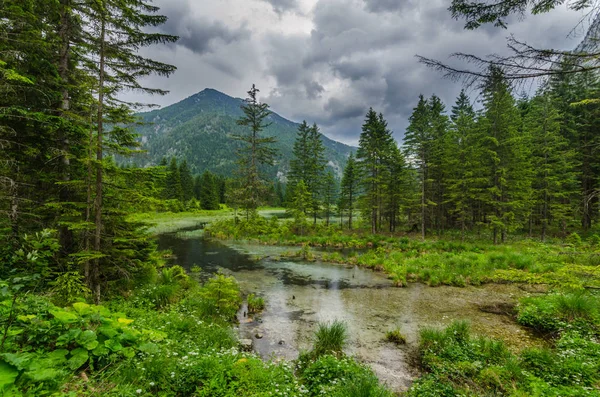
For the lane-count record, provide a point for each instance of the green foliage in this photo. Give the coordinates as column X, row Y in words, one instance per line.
column 334, row 376
column 221, row 297
column 460, row 364
column 45, row 343
column 330, row 338
column 69, row 287
column 256, row 304
column 558, row 312
column 395, row 336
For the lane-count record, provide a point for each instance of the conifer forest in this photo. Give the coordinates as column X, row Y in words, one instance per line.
column 430, row 225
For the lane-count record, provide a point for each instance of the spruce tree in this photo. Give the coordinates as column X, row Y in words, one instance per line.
column 255, row 152
column 374, row 148
column 315, row 169
column 438, row 169
column 173, row 190
column 209, row 192
column 555, row 179
column 350, row 188
column 417, row 146
column 507, row 156
column 187, row 181
column 330, row 195
column 397, row 187
column 465, row 175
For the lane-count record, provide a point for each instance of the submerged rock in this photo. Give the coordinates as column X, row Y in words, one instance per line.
column 258, row 335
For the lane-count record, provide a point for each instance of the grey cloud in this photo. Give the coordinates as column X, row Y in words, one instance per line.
column 360, row 53
column 340, row 109
column 199, row 34
column 387, row 5
column 356, row 70
column 313, row 89
column 281, row 6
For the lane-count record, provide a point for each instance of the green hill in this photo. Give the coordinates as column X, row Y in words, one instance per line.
column 198, row 129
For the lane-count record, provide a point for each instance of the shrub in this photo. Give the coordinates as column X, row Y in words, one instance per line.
column 221, row 297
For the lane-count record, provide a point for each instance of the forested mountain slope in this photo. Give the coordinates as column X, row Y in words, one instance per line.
column 199, row 129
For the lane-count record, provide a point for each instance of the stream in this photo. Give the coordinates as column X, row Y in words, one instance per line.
column 299, row 295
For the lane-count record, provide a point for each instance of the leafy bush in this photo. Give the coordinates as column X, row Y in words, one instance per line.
column 221, row 297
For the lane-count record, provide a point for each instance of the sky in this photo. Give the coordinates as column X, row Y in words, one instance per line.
column 328, row 61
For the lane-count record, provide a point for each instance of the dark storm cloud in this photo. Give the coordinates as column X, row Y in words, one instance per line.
column 356, row 70
column 281, row 6
column 198, row 33
column 386, row 5
column 328, row 61
column 339, row 109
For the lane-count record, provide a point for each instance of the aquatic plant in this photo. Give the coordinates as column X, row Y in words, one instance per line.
column 395, row 336
column 330, row 338
column 255, row 303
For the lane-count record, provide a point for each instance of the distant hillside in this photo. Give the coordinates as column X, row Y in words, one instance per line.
column 198, row 128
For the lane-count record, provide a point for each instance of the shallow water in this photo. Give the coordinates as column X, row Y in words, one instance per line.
column 299, row 295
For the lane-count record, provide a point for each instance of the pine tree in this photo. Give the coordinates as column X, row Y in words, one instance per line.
column 466, row 176
column 299, row 205
column 209, row 193
column 315, row 169
column 301, row 151
column 417, row 146
column 187, row 181
column 330, row 194
column 197, row 187
column 396, row 187
column 256, row 151
column 507, row 157
column 374, row 148
column 555, row 180
column 350, row 188
column 438, row 168
column 308, row 164
column 173, row 190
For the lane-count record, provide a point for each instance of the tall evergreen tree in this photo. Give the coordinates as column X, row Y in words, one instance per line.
column 209, row 192
column 374, row 148
column 330, row 195
column 507, row 155
column 438, row 169
column 173, row 190
column 555, row 179
column 256, row 151
column 186, row 180
column 397, row 187
column 350, row 187
column 465, row 177
column 308, row 164
column 417, row 146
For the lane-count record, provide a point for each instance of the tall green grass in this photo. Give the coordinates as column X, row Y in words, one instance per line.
column 330, row 338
